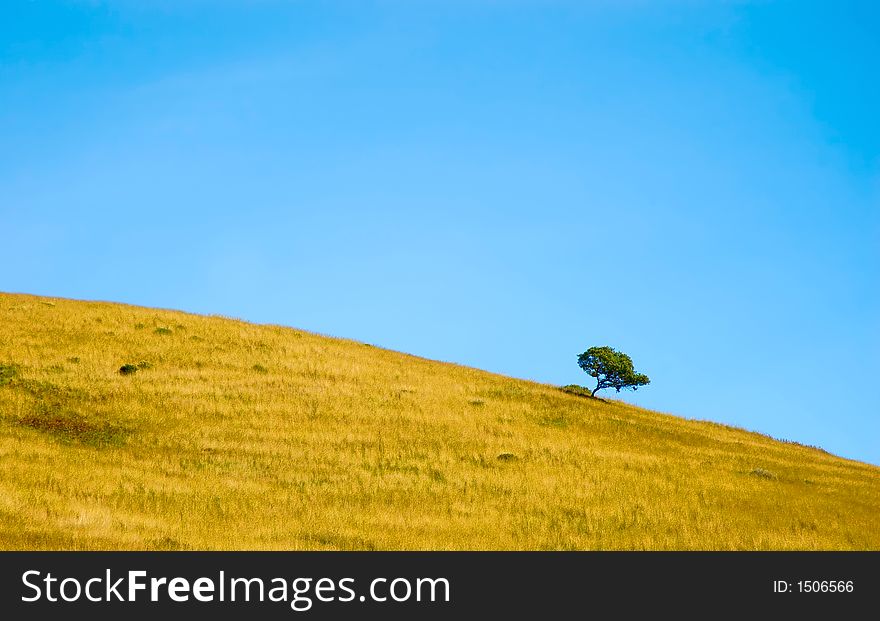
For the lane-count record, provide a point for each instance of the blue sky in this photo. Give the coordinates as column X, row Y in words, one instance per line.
column 499, row 184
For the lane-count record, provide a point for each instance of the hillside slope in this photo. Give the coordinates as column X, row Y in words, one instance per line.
column 233, row 435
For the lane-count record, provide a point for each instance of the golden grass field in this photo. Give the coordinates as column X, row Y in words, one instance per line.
column 242, row 436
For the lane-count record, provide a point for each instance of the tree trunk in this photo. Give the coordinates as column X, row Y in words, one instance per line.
column 596, row 389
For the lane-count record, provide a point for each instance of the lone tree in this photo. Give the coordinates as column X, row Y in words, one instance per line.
column 611, row 368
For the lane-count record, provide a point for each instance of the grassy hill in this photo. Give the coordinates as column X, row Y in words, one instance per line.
column 234, row 435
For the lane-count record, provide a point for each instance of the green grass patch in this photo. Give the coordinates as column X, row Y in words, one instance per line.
column 8, row 372
column 72, row 427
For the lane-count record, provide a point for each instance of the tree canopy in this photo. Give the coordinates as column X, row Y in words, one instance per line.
column 612, row 369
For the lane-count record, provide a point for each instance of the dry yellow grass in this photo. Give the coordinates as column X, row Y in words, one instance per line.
column 248, row 436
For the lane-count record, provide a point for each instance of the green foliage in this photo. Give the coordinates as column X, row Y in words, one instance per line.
column 163, row 331
column 260, row 368
column 8, row 372
column 612, row 369
column 128, row 369
column 579, row 391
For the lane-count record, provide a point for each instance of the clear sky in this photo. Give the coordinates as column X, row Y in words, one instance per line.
column 496, row 183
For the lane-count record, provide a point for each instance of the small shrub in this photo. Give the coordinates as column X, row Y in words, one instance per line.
column 574, row 389
column 163, row 331
column 139, row 326
column 128, row 369
column 507, row 457
column 197, row 339
column 73, row 360
column 260, row 368
column 477, row 402
column 144, row 364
